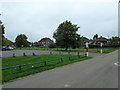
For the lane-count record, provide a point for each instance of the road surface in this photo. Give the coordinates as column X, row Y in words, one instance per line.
column 99, row 72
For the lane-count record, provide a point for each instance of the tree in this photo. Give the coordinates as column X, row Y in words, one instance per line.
column 115, row 41
column 21, row 41
column 6, row 42
column 66, row 35
column 95, row 36
column 2, row 31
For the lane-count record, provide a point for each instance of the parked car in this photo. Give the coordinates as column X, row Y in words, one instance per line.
column 7, row 48
column 3, row 48
column 11, row 48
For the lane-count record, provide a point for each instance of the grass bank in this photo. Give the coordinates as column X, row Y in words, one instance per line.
column 49, row 62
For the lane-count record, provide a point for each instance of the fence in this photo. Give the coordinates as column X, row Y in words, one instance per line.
column 44, row 62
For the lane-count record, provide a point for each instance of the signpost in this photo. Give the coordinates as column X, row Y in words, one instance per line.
column 87, row 48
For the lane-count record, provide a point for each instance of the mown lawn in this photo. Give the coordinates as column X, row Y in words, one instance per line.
column 96, row 50
column 58, row 60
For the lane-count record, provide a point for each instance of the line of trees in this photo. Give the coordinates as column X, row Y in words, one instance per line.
column 65, row 36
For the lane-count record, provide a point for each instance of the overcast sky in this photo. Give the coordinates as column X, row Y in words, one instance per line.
column 39, row 19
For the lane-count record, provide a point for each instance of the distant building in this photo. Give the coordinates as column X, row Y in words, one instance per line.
column 44, row 42
column 84, row 40
column 100, row 39
column 95, row 41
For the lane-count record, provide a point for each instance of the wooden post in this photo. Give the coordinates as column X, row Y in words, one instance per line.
column 69, row 58
column 51, row 53
column 13, row 55
column 61, row 59
column 69, row 52
column 59, row 52
column 45, row 63
column 24, row 54
column 20, row 67
column 33, row 54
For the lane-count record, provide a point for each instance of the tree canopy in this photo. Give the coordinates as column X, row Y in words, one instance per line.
column 21, row 41
column 115, row 41
column 6, row 42
column 95, row 36
column 66, row 35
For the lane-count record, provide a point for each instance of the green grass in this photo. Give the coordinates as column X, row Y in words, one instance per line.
column 96, row 50
column 10, row 74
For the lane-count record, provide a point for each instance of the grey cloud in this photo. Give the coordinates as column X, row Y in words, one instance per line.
column 38, row 20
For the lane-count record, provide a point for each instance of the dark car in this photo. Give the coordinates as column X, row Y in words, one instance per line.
column 6, row 48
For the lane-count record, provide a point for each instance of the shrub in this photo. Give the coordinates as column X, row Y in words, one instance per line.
column 52, row 45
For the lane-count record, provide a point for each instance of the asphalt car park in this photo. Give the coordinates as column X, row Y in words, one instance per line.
column 39, row 52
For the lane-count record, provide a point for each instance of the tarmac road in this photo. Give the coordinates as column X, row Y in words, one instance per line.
column 99, row 72
column 38, row 52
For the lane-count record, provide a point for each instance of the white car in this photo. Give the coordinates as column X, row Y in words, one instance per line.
column 11, row 48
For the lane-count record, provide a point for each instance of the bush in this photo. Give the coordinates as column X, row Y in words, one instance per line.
column 104, row 46
column 94, row 46
column 52, row 45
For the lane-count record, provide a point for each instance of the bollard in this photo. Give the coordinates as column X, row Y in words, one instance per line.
column 78, row 56
column 45, row 63
column 59, row 52
column 69, row 58
column 20, row 67
column 13, row 55
column 33, row 54
column 85, row 54
column 24, row 54
column 51, row 53
column 68, row 52
column 62, row 60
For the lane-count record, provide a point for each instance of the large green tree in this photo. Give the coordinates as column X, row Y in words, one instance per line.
column 21, row 41
column 66, row 35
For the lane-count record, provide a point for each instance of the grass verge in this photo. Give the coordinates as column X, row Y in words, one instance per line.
column 10, row 74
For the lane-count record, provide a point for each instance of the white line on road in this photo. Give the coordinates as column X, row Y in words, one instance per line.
column 67, row 86
column 117, row 64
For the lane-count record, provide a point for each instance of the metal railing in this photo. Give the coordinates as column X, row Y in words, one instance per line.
column 45, row 62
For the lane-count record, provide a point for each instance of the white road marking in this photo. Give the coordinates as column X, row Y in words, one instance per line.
column 67, row 86
column 117, row 64
column 0, row 87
